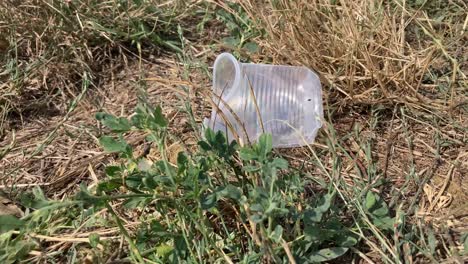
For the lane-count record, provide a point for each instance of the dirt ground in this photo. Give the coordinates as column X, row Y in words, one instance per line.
column 58, row 152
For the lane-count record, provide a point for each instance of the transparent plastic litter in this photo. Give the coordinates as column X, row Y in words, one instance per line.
column 251, row 99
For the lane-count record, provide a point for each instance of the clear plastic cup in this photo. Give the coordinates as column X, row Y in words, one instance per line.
column 251, row 99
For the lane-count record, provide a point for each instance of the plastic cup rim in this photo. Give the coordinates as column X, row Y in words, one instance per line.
column 233, row 60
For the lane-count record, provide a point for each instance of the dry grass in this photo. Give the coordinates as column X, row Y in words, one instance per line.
column 369, row 52
column 49, row 46
column 73, row 155
column 395, row 85
column 395, row 74
column 61, row 69
column 396, row 58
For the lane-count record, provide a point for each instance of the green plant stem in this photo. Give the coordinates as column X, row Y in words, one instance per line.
column 125, row 196
column 184, row 230
column 272, row 185
column 132, row 245
column 53, row 206
column 162, row 150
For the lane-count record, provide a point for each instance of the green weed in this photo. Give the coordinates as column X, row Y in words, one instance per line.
column 221, row 203
column 241, row 27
